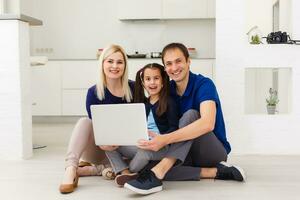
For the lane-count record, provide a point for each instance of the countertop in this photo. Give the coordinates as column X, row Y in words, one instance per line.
column 86, row 59
column 31, row 20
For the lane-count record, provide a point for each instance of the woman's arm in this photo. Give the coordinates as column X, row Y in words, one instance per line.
column 91, row 99
column 199, row 127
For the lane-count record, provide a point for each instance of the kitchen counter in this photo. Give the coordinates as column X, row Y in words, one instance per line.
column 31, row 20
column 87, row 59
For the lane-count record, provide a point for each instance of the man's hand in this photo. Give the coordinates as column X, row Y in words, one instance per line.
column 155, row 144
column 108, row 147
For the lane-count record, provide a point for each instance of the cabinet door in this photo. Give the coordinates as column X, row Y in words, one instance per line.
column 136, row 64
column 73, row 102
column 181, row 9
column 46, row 89
column 211, row 8
column 79, row 74
column 139, row 9
column 203, row 67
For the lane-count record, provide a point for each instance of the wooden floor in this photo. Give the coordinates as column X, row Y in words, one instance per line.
column 268, row 177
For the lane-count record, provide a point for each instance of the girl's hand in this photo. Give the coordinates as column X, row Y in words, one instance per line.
column 108, row 147
column 155, row 144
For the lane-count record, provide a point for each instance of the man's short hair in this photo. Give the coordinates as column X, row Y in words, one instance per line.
column 173, row 46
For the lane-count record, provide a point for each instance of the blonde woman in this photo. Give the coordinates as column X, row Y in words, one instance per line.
column 112, row 87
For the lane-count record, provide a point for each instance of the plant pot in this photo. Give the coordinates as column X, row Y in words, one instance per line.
column 271, row 109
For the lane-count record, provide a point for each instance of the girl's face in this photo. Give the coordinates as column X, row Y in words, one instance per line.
column 152, row 81
column 114, row 66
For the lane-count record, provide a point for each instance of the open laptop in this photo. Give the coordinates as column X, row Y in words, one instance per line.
column 119, row 124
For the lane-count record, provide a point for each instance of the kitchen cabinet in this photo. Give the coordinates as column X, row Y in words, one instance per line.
column 139, row 9
column 46, row 89
column 136, row 64
column 178, row 9
column 79, row 74
column 77, row 77
column 211, row 9
column 204, row 67
column 73, row 102
column 166, row 9
column 59, row 88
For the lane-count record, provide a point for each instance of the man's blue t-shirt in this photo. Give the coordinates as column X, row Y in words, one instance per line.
column 199, row 89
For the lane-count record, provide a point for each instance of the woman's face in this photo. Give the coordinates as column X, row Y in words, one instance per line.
column 114, row 66
column 152, row 81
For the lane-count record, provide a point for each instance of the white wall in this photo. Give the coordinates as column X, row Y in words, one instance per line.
column 260, row 13
column 76, row 29
column 253, row 134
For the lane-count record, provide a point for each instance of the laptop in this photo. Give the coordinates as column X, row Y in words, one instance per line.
column 119, row 124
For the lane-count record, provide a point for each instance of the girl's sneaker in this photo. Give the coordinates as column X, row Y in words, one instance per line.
column 108, row 173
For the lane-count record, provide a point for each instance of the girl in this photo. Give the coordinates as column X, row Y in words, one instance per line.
column 162, row 117
column 112, row 88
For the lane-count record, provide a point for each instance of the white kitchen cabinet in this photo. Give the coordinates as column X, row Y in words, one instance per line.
column 139, row 9
column 60, row 87
column 73, row 102
column 136, row 64
column 79, row 74
column 166, row 9
column 211, row 9
column 203, row 67
column 180, row 9
column 46, row 89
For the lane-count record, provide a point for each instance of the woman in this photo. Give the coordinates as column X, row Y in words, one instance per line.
column 112, row 87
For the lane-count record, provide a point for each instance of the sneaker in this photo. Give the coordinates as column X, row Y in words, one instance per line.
column 145, row 183
column 226, row 171
column 121, row 179
column 108, row 173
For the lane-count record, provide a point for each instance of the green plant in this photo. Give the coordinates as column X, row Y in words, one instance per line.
column 255, row 39
column 273, row 98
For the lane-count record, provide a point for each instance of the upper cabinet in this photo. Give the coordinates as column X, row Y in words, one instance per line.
column 166, row 9
column 139, row 9
column 180, row 9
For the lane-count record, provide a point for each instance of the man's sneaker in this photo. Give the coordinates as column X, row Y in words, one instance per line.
column 226, row 171
column 145, row 183
column 121, row 179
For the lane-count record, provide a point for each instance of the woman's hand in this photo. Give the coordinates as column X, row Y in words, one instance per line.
column 155, row 144
column 108, row 147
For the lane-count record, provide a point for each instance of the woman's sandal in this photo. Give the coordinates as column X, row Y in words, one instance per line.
column 68, row 188
column 83, row 164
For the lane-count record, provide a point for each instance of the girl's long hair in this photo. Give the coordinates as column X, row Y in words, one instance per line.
column 139, row 93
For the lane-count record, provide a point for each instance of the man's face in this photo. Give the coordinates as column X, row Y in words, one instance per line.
column 176, row 66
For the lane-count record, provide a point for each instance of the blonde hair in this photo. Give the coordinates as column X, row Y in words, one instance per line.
column 102, row 84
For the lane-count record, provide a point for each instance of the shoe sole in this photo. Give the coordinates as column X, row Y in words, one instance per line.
column 241, row 171
column 120, row 180
column 143, row 192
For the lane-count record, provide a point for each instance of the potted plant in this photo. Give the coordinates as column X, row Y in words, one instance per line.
column 272, row 101
column 255, row 39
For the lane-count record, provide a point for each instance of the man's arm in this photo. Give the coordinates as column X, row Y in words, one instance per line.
column 204, row 125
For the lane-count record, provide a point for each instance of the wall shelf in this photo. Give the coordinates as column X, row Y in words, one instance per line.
column 258, row 81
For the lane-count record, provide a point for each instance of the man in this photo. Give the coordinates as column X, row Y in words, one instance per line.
column 202, row 130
